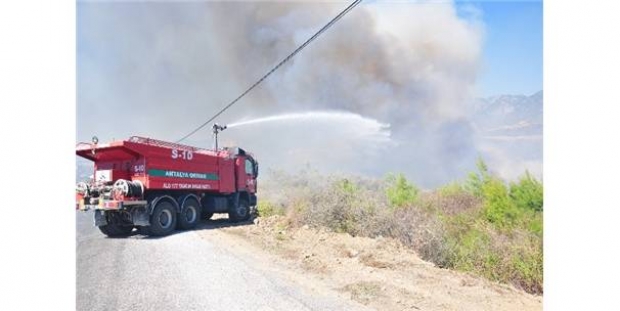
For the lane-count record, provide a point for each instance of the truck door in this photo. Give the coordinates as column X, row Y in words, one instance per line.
column 250, row 175
column 246, row 181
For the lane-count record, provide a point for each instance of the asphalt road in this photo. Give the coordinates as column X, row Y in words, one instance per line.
column 179, row 272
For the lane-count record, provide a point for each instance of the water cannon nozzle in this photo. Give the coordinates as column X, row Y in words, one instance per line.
column 218, row 128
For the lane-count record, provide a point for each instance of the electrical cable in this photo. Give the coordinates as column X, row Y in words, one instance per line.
column 318, row 33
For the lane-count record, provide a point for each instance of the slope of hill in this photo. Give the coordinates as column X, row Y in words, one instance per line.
column 509, row 115
column 379, row 273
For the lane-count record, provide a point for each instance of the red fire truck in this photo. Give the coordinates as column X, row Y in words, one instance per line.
column 159, row 186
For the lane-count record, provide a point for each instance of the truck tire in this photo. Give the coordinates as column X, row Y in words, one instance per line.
column 114, row 230
column 163, row 219
column 190, row 215
column 241, row 212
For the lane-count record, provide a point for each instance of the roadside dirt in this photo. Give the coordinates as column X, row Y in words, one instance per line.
column 379, row 273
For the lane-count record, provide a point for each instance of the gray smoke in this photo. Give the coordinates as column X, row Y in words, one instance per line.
column 160, row 69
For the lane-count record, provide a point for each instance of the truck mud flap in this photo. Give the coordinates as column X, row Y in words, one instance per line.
column 100, row 219
column 140, row 217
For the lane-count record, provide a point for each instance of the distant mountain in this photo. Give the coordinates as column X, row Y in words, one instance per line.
column 509, row 115
column 510, row 132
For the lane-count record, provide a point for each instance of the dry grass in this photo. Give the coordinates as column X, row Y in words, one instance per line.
column 364, row 292
column 369, row 260
column 312, row 264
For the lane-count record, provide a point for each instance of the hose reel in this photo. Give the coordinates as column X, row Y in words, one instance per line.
column 129, row 188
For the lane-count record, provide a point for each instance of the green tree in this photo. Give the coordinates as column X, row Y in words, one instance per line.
column 399, row 191
column 476, row 180
column 498, row 207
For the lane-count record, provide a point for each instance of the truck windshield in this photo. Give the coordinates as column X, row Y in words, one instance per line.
column 249, row 168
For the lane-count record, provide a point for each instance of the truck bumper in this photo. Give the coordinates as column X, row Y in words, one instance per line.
column 110, row 205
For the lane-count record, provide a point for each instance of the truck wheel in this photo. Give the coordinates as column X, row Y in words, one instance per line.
column 190, row 215
column 163, row 219
column 114, row 230
column 241, row 212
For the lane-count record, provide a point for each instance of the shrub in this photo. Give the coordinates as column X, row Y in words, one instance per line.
column 416, row 228
column 470, row 250
column 477, row 247
column 527, row 193
column 527, row 264
column 345, row 205
column 350, row 207
column 482, row 225
column 347, row 187
column 451, row 189
column 265, row 208
column 399, row 191
column 534, row 223
column 453, row 199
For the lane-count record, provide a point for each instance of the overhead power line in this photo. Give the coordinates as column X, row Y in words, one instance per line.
column 318, row 33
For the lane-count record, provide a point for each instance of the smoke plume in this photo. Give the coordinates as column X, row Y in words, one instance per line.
column 161, row 69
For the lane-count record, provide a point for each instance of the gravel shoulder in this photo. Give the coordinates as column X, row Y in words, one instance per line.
column 378, row 273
